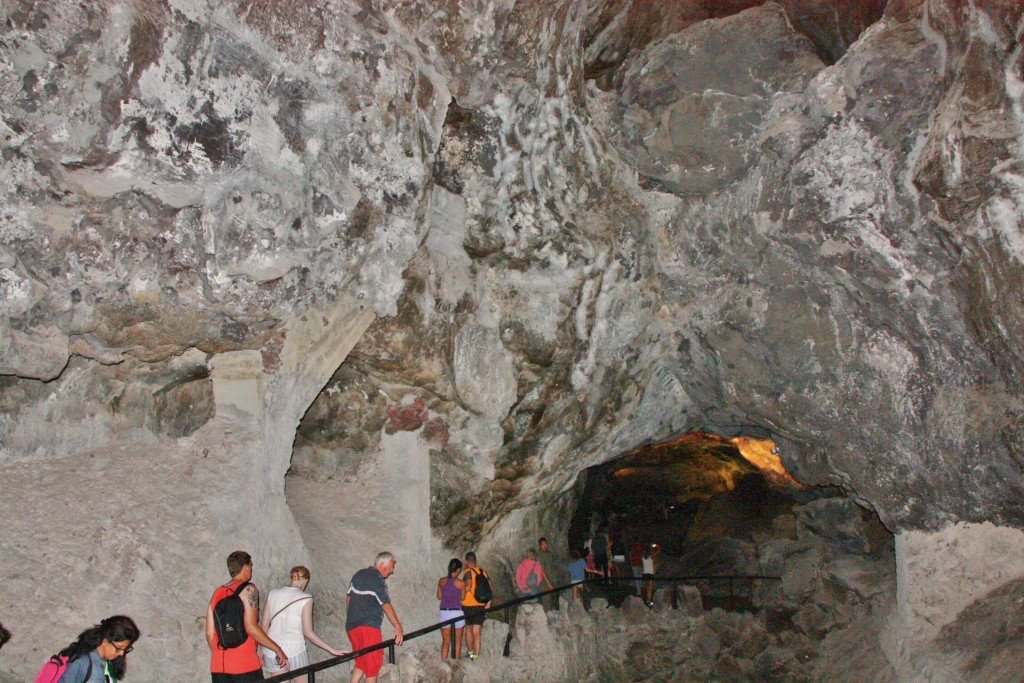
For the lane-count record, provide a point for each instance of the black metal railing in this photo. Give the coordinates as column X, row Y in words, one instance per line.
column 506, row 608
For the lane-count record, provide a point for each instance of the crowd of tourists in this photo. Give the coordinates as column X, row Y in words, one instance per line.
column 246, row 645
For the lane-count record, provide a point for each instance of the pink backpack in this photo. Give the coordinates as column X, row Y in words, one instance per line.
column 54, row 669
column 527, row 576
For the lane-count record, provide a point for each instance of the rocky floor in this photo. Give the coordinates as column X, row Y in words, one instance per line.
column 635, row 643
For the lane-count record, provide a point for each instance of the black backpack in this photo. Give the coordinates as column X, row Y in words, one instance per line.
column 229, row 620
column 482, row 592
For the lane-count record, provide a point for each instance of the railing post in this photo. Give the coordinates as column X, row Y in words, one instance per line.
column 312, row 676
column 391, row 653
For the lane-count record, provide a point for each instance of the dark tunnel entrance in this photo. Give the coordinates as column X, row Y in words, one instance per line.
column 715, row 506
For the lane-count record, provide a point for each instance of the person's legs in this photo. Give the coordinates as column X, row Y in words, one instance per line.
column 446, row 641
column 458, row 643
column 369, row 664
column 474, row 619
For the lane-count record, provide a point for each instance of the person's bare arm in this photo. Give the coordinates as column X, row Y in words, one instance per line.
column 307, row 630
column 393, row 618
column 211, row 630
column 440, row 582
column 267, row 616
column 251, row 600
column 546, row 579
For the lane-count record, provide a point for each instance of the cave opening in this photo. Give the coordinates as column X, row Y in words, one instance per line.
column 719, row 506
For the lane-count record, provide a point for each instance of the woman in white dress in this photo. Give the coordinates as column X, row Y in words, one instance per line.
column 288, row 620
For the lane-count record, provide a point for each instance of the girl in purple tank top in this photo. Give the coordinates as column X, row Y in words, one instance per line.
column 450, row 590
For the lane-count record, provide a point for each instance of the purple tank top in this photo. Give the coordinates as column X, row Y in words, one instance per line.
column 451, row 595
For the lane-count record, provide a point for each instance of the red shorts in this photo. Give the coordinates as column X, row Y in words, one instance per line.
column 367, row 636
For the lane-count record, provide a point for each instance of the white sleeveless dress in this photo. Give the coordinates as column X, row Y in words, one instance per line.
column 286, row 629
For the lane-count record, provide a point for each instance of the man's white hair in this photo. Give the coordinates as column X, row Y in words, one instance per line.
column 383, row 558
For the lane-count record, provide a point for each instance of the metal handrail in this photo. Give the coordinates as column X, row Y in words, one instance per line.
column 311, row 669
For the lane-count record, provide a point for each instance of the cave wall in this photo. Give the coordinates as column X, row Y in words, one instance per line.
column 562, row 237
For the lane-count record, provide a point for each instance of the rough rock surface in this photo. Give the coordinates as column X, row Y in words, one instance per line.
column 610, row 644
column 566, row 229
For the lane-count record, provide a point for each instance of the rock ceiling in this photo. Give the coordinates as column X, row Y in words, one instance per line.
column 581, row 227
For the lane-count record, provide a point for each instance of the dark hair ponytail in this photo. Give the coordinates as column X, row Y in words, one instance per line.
column 112, row 629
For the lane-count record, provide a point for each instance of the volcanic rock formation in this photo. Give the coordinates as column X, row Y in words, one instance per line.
column 321, row 279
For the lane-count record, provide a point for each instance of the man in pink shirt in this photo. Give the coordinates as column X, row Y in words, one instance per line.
column 530, row 575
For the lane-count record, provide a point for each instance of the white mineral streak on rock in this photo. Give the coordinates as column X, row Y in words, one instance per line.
column 541, row 301
column 484, row 373
column 829, row 92
column 381, row 276
column 1002, row 215
column 851, row 174
column 482, row 438
column 17, row 293
column 665, row 404
column 897, row 368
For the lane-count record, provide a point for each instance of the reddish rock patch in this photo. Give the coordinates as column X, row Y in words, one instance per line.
column 406, row 417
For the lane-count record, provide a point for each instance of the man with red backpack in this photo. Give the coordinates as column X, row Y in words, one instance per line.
column 233, row 630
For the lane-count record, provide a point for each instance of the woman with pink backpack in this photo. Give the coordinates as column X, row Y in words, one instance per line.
column 97, row 656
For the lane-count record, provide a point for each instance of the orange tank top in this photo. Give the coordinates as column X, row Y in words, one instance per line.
column 238, row 660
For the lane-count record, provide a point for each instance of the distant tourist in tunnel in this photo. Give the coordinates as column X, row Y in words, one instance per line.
column 592, row 565
column 636, row 564
column 98, row 655
column 578, row 570
column 547, row 565
column 475, row 603
column 237, row 662
column 602, row 549
column 650, row 567
column 288, row 620
column 367, row 603
column 450, row 591
column 530, row 575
